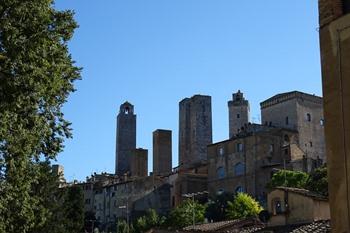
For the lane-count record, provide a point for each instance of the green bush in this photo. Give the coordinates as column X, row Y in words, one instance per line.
column 243, row 206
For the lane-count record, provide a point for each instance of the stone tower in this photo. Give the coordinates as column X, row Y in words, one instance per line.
column 139, row 162
column 239, row 113
column 162, row 152
column 335, row 60
column 126, row 138
column 195, row 129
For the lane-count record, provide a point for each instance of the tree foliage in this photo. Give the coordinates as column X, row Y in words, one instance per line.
column 318, row 181
column 217, row 206
column 243, row 206
column 182, row 215
column 148, row 221
column 288, row 178
column 36, row 76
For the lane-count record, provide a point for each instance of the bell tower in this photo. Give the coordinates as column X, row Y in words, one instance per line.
column 126, row 138
column 239, row 113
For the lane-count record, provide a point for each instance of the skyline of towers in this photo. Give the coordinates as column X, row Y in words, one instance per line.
column 239, row 113
column 125, row 138
column 195, row 129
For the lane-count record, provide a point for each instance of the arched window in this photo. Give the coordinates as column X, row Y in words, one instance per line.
column 286, row 138
column 239, row 189
column 308, row 117
column 239, row 169
column 220, row 173
column 276, row 206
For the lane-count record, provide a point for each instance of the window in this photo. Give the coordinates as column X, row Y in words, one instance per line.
column 239, row 147
column 286, row 151
column 276, row 206
column 270, row 123
column 220, row 172
column 239, row 169
column 308, row 117
column 127, row 110
column 239, row 189
column 238, row 116
column 221, row 151
column 310, row 143
column 287, row 120
column 271, row 148
column 322, row 122
column 87, row 201
column 286, row 138
column 113, row 194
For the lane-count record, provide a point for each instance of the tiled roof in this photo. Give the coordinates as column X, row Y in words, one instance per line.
column 316, row 227
column 304, row 192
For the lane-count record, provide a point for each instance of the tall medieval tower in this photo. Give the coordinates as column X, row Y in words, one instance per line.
column 195, row 129
column 239, row 113
column 126, row 138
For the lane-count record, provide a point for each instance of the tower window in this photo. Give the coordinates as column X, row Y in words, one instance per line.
column 322, row 122
column 286, row 138
column 287, row 120
column 127, row 110
column 238, row 116
column 311, row 144
column 239, row 147
column 308, row 117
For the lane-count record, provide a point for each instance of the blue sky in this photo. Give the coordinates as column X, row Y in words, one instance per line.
column 154, row 53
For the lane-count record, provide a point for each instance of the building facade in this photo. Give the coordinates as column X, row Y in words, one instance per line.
column 162, row 152
column 195, row 129
column 301, row 112
column 334, row 20
column 246, row 162
column 239, row 113
column 126, row 138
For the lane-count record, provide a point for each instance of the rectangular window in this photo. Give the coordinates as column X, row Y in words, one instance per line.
column 272, row 148
column 238, row 116
column 287, row 120
column 239, row 147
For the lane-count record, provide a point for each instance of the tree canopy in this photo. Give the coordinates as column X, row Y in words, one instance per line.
column 36, row 76
column 243, row 206
column 288, row 178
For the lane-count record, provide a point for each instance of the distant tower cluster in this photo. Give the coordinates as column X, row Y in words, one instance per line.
column 195, row 129
column 239, row 113
column 162, row 152
column 126, row 138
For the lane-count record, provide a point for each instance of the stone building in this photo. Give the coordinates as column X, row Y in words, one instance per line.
column 291, row 206
column 110, row 197
column 247, row 161
column 195, row 129
column 334, row 20
column 301, row 112
column 162, row 152
column 139, row 162
column 126, row 137
column 239, row 113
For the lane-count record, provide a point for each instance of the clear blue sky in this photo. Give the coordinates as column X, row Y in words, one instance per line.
column 154, row 53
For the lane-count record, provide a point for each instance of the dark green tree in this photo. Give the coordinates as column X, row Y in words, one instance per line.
column 217, row 206
column 74, row 209
column 243, row 206
column 148, row 221
column 36, row 76
column 286, row 178
column 318, row 181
